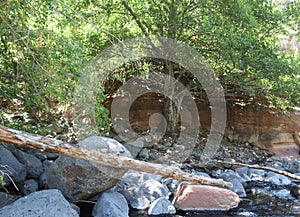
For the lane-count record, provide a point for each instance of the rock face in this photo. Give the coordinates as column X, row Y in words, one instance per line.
column 79, row 179
column 13, row 167
column 204, row 198
column 111, row 204
column 246, row 122
column 41, row 203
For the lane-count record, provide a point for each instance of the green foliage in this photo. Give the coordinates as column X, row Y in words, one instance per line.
column 45, row 44
column 2, row 182
column 101, row 113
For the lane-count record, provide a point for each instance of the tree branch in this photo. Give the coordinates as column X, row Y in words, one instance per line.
column 282, row 172
column 135, row 17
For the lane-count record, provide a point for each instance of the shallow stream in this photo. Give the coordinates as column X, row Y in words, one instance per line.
column 260, row 201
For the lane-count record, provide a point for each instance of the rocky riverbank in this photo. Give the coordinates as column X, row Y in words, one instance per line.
column 44, row 184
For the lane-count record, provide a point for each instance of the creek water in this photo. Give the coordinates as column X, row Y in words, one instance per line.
column 260, row 201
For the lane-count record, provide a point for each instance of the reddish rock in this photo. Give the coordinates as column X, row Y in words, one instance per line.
column 246, row 121
column 204, row 198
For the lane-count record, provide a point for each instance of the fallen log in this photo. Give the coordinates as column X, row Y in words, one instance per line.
column 44, row 144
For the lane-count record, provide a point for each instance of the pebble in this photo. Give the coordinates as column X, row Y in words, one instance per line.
column 144, row 154
column 171, row 184
column 229, row 160
column 179, row 148
column 30, row 186
column 295, row 190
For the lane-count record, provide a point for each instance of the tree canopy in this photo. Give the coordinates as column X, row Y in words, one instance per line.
column 253, row 46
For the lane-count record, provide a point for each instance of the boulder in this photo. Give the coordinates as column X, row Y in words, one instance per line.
column 161, row 206
column 79, row 179
column 33, row 165
column 6, row 199
column 134, row 147
column 111, row 204
column 243, row 173
column 236, row 180
column 277, row 179
column 204, row 198
column 149, row 191
column 11, row 166
column 40, row 203
column 140, row 188
column 257, row 174
column 293, row 166
column 238, row 187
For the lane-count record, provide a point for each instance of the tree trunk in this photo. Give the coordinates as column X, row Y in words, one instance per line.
column 32, row 141
column 170, row 108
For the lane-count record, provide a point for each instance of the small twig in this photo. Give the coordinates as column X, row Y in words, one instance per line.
column 2, row 173
column 282, row 172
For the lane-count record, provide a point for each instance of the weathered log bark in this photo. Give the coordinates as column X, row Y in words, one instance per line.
column 37, row 142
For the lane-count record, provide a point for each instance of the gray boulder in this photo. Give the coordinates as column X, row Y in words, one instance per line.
column 134, row 147
column 277, row 179
column 79, row 179
column 293, row 166
column 161, row 206
column 111, row 204
column 243, row 173
column 149, row 191
column 11, row 166
column 33, row 165
column 236, row 180
column 257, row 175
column 238, row 188
column 42, row 203
column 140, row 189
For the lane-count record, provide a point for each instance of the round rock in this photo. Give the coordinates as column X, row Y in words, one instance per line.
column 79, row 179
column 40, row 203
